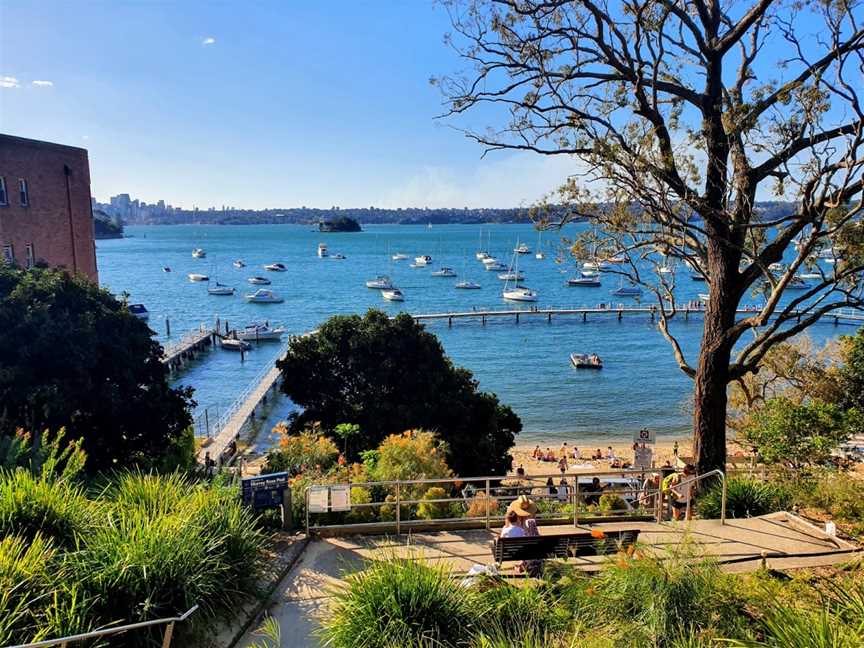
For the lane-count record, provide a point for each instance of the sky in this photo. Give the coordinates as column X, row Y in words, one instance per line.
column 255, row 104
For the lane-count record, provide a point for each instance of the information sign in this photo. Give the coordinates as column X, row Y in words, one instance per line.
column 645, row 436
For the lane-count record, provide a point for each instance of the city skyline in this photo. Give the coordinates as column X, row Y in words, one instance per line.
column 280, row 106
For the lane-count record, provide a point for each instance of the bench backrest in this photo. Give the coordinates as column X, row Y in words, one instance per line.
column 562, row 546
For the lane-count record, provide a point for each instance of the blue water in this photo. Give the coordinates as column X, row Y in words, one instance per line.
column 527, row 364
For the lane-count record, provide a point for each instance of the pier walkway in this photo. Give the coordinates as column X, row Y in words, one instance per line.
column 177, row 353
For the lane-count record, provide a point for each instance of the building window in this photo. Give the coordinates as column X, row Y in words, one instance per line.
column 8, row 255
column 4, row 198
column 31, row 256
column 22, row 191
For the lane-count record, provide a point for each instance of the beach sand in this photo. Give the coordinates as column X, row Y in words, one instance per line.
column 663, row 452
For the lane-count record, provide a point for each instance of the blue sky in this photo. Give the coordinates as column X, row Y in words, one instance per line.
column 253, row 104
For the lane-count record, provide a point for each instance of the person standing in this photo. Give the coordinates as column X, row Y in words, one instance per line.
column 682, row 493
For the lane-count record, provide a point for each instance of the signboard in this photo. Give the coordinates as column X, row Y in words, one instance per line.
column 643, row 457
column 340, row 497
column 264, row 491
column 645, row 436
column 318, row 499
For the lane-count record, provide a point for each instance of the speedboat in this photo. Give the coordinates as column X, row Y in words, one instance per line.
column 260, row 333
column 322, row 250
column 199, row 253
column 276, row 267
column 494, row 267
column 259, row 281
column 586, row 361
column 381, row 282
column 520, row 294
column 239, row 263
column 166, row 269
column 394, row 294
column 264, row 296
column 511, row 276
column 198, row 277
column 468, row 285
column 140, row 311
column 421, row 261
column 220, row 289
column 704, row 297
column 522, row 249
column 399, row 257
column 584, row 281
column 444, row 272
column 338, row 257
column 233, row 344
column 627, row 291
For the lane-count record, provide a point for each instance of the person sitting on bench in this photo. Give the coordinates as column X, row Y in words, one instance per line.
column 512, row 528
column 525, row 510
column 593, row 492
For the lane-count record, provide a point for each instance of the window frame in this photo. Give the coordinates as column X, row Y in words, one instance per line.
column 30, row 256
column 10, row 250
column 23, row 192
column 4, row 193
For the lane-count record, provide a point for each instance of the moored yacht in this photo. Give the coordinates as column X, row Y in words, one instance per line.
column 584, row 281
column 264, row 296
column 322, row 250
column 586, row 361
column 140, row 311
column 468, row 285
column 480, row 256
column 276, row 267
column 494, row 267
column 626, row 291
column 423, row 260
column 194, row 276
column 393, row 294
column 444, row 272
column 381, row 282
column 220, row 290
column 256, row 332
column 521, row 248
column 233, row 344
column 199, row 253
column 259, row 281
column 520, row 294
column 510, row 275
column 239, row 263
column 400, row 257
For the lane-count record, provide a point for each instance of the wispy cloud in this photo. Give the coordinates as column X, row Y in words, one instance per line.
column 9, row 82
column 43, row 84
column 208, row 41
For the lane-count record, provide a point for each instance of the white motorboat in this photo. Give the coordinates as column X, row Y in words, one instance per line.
column 489, row 260
column 444, row 272
column 338, row 257
column 220, row 290
column 665, row 269
column 166, row 269
column 812, row 275
column 776, row 267
column 590, row 273
column 617, row 259
column 586, row 361
column 322, row 250
column 199, row 253
column 520, row 294
column 585, row 281
column 381, row 282
column 595, row 265
column 264, row 296
column 521, row 248
column 400, row 257
column 233, row 344
column 495, row 267
column 259, row 281
column 481, row 256
column 194, row 276
column 394, row 294
column 421, row 261
column 704, row 297
column 140, row 311
column 276, row 267
column 260, row 333
column 511, row 276
column 468, row 285
column 239, row 263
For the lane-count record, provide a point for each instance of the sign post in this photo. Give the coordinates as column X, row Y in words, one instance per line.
column 268, row 491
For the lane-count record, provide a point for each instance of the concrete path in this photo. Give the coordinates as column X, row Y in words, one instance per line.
column 303, row 596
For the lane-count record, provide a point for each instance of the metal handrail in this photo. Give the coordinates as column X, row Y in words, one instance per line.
column 166, row 642
column 699, row 478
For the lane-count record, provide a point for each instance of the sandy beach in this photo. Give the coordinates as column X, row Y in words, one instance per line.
column 663, row 451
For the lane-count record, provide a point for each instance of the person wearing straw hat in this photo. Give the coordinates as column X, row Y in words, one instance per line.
column 525, row 508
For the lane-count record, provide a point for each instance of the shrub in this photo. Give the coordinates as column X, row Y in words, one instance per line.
column 835, row 493
column 505, row 609
column 435, row 510
column 745, row 497
column 477, row 506
column 309, row 448
column 400, row 602
column 610, row 503
column 415, row 454
column 360, row 495
column 55, row 508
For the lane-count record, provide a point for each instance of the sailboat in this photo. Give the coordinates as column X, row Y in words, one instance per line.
column 626, row 291
column 517, row 292
column 539, row 254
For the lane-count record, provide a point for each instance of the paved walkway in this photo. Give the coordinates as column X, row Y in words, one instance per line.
column 302, row 597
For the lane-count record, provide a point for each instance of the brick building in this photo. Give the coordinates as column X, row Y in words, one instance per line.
column 45, row 208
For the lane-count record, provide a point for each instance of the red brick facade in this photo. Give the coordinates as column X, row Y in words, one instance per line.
column 52, row 221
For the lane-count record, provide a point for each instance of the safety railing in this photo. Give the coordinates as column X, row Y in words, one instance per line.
column 475, row 502
column 63, row 642
column 692, row 482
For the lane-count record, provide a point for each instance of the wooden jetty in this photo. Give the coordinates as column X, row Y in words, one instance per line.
column 176, row 354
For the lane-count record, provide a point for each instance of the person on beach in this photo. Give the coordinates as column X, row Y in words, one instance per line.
column 681, row 493
column 597, row 455
column 520, row 471
column 537, row 454
column 610, row 454
column 562, row 463
column 512, row 527
column 576, row 454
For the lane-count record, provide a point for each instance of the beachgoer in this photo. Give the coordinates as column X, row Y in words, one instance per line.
column 675, row 448
column 512, row 527
column 598, row 454
column 520, row 471
column 682, row 493
column 563, row 490
column 537, row 454
column 562, row 463
column 594, row 490
column 551, row 491
column 610, row 453
column 563, row 450
column 576, row 454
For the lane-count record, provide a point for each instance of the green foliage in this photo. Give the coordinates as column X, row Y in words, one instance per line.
column 345, row 432
column 400, row 602
column 412, row 455
column 309, row 448
column 391, row 376
column 852, row 372
column 181, row 453
column 436, row 510
column 74, row 357
column 609, row 503
column 833, row 492
column 783, row 431
column 744, row 498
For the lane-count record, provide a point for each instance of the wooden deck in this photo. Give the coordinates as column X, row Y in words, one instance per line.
column 175, row 354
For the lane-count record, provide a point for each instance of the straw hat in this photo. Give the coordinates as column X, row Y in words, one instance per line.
column 523, row 506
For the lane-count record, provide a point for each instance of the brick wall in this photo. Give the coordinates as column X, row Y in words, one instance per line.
column 57, row 221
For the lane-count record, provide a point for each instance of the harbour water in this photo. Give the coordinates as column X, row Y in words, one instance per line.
column 526, row 364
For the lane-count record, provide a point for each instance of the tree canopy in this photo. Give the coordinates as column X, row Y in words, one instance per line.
column 390, row 376
column 73, row 356
column 677, row 114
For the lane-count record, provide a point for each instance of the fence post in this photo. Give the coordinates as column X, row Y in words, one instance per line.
column 169, row 631
column 576, row 502
column 287, row 513
column 488, row 495
column 398, row 510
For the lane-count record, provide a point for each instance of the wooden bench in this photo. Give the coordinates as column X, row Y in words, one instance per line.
column 565, row 545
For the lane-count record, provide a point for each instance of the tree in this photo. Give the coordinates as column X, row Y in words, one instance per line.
column 389, row 376
column 73, row 356
column 851, row 377
column 415, row 454
column 679, row 108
